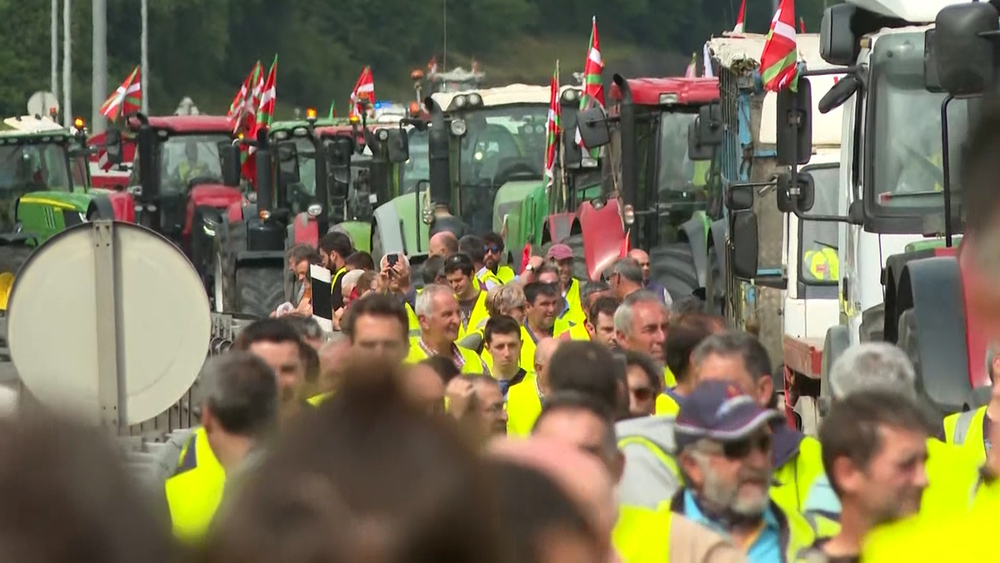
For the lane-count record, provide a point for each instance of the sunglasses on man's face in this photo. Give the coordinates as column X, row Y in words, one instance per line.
column 642, row 393
column 493, row 249
column 742, row 448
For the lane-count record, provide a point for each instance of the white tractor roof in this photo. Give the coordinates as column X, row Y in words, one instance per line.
column 502, row 96
column 742, row 52
column 32, row 124
column 914, row 11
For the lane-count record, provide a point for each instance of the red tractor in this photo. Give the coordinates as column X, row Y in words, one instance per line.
column 184, row 171
column 664, row 201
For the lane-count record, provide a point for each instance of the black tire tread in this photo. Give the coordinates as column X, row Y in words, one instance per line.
column 259, row 290
column 673, row 266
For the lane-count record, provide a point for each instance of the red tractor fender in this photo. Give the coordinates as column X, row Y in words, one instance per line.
column 603, row 235
column 209, row 195
column 981, row 297
column 559, row 226
column 305, row 230
column 123, row 205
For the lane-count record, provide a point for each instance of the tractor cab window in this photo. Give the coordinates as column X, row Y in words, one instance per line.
column 80, row 170
column 818, row 241
column 302, row 194
column 906, row 157
column 500, row 144
column 184, row 158
column 33, row 167
column 675, row 171
column 418, row 167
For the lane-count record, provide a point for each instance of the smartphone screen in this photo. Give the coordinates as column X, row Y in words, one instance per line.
column 392, row 259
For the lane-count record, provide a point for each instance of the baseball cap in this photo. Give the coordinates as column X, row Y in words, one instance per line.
column 719, row 410
column 559, row 252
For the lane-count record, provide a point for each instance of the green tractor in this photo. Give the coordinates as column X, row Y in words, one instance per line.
column 43, row 190
column 319, row 176
column 485, row 153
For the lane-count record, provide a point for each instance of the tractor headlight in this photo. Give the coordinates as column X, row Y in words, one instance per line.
column 314, row 210
column 383, row 135
column 458, row 127
column 628, row 215
column 459, row 102
column 668, row 99
column 570, row 95
column 475, row 100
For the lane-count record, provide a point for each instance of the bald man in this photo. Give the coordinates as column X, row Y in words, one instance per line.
column 648, row 283
column 442, row 244
column 524, row 400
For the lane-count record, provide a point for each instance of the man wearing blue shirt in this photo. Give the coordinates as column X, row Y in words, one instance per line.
column 724, row 452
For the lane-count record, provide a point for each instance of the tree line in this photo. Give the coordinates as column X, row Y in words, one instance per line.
column 204, row 49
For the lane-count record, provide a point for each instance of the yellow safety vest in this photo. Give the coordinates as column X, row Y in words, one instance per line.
column 794, row 479
column 186, row 172
column 669, row 381
column 576, row 331
column 642, row 535
column 965, row 430
column 666, row 405
column 822, row 264
column 414, row 322
column 193, row 494
column 473, row 364
column 480, row 314
column 336, row 276
column 505, row 274
column 488, row 276
column 317, row 400
column 523, row 406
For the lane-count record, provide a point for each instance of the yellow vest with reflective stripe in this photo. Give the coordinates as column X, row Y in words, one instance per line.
column 669, row 381
column 480, row 314
column 576, row 331
column 523, row 406
column 642, row 535
column 505, row 274
column 193, row 494
column 965, row 430
column 414, row 322
column 794, row 479
column 336, row 276
column 822, row 264
column 488, row 276
column 473, row 363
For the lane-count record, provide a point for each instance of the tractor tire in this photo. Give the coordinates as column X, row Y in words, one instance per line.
column 673, row 266
column 873, row 324
column 259, row 290
column 717, row 283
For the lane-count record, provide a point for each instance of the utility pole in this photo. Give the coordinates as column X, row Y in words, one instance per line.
column 54, row 62
column 145, row 57
column 99, row 74
column 67, row 79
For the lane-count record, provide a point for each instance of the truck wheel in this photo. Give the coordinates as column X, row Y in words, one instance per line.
column 260, row 290
column 673, row 266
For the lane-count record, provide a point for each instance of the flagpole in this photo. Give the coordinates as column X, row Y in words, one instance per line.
column 54, row 31
column 144, row 83
column 67, row 109
column 99, row 74
column 561, row 136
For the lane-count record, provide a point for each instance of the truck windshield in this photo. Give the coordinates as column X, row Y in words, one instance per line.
column 818, row 240
column 906, row 157
column 675, row 171
column 418, row 167
column 186, row 157
column 30, row 167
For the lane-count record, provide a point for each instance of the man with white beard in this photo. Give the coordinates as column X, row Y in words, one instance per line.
column 724, row 454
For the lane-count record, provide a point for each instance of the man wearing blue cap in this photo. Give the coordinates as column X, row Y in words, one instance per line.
column 724, row 454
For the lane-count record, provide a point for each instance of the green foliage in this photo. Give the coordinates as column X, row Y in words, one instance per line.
column 203, row 49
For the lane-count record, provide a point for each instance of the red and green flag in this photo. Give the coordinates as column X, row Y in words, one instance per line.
column 265, row 110
column 779, row 61
column 552, row 129
column 740, row 17
column 593, row 83
column 692, row 68
column 126, row 99
column 243, row 106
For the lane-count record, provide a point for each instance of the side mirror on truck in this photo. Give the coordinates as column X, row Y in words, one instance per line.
column 113, row 146
column 594, row 129
column 744, row 244
column 740, row 197
column 710, row 125
column 229, row 160
column 807, row 193
column 964, row 46
column 840, row 93
column 837, row 42
column 399, row 145
column 794, row 129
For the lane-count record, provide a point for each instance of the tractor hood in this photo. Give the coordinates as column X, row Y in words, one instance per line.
column 214, row 195
column 509, row 198
column 78, row 201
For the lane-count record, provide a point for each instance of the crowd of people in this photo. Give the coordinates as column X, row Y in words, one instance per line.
column 487, row 415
